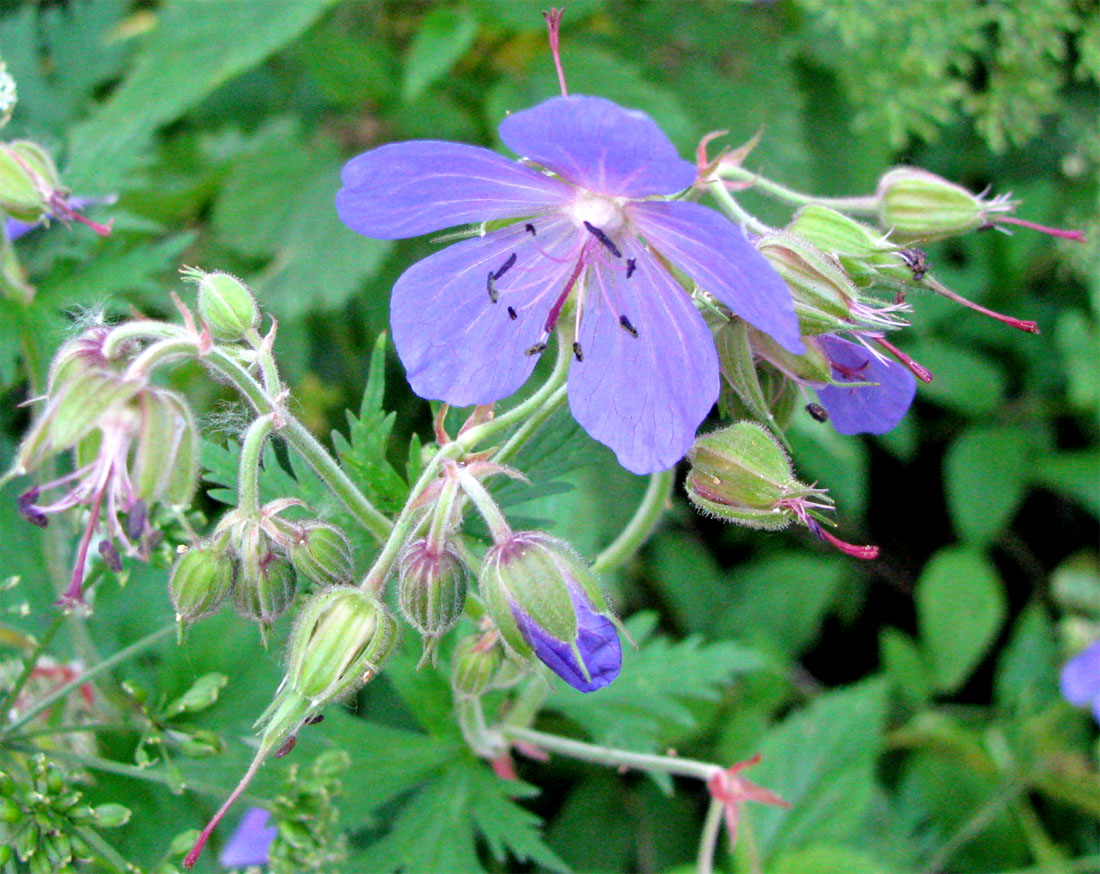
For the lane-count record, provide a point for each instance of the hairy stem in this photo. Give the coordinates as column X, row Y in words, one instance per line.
column 708, row 841
column 248, row 470
column 735, row 211
column 641, row 525
column 857, row 205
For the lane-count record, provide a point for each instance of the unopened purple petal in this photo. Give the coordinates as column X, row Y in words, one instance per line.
column 715, row 253
column 597, row 641
column 407, row 189
column 867, row 409
column 1080, row 680
column 644, row 396
column 456, row 344
column 14, row 229
column 250, row 841
column 598, row 145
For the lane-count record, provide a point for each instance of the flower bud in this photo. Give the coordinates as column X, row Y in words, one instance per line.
column 201, row 580
column 546, row 602
column 166, row 457
column 741, row 474
column 321, row 552
column 226, row 305
column 431, row 587
column 474, row 664
column 27, row 177
column 84, row 400
column 265, row 581
column 917, row 205
column 810, row 366
column 863, row 252
column 822, row 293
column 78, row 355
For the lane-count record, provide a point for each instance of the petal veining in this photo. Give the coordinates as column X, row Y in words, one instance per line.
column 458, row 345
column 407, row 189
column 715, row 254
column 598, row 145
column 864, row 409
column 649, row 373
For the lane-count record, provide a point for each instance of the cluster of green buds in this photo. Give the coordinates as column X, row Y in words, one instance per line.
column 134, row 446
column 742, row 475
column 45, row 823
column 308, row 835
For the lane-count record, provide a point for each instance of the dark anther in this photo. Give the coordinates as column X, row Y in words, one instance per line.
column 506, row 266
column 631, row 266
column 603, row 238
column 314, row 719
column 537, row 349
column 578, row 353
column 915, row 260
column 818, row 412
column 110, row 555
column 135, row 521
column 494, row 295
column 530, row 228
column 512, row 314
column 624, row 323
column 286, row 747
column 30, row 512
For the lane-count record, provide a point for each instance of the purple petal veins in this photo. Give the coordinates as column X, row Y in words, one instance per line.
column 597, row 640
column 864, row 409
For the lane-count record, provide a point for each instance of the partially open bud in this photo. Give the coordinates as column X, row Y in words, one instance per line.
column 547, row 603
column 84, row 400
column 474, row 664
column 201, row 581
column 811, row 366
column 265, row 581
column 823, row 294
column 27, row 178
column 917, row 205
column 863, row 252
column 431, row 588
column 166, row 455
column 741, row 474
column 226, row 305
column 78, row 355
column 321, row 552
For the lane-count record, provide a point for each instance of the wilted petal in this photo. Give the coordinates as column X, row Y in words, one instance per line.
column 867, row 409
column 250, row 842
column 598, row 145
column 645, row 395
column 597, row 641
column 456, row 344
column 407, row 189
column 1080, row 680
column 714, row 252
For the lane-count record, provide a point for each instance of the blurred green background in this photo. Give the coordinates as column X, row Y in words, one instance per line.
column 909, row 707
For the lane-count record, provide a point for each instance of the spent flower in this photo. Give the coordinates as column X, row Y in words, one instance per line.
column 590, row 216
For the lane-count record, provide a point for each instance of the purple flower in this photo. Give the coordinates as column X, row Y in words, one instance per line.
column 1080, row 679
column 864, row 409
column 250, row 841
column 470, row 321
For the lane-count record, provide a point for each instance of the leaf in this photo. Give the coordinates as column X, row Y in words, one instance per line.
column 193, row 49
column 1072, row 474
column 220, row 465
column 650, row 702
column 904, row 665
column 961, row 607
column 822, row 761
column 985, row 473
column 1027, row 673
column 363, row 451
column 826, row 859
column 965, row 381
column 444, row 35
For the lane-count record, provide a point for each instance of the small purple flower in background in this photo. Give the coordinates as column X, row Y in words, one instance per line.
column 1080, row 679
column 470, row 321
column 250, row 842
column 864, row 409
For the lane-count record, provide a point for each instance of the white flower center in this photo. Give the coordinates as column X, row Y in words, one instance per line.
column 600, row 212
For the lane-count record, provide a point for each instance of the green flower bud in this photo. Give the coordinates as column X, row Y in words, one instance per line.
column 10, row 812
column 201, row 580
column 265, row 582
column 78, row 355
column 226, row 305
column 810, row 366
column 822, row 292
column 5, row 855
column 27, row 177
column 741, row 474
column 431, row 587
column 111, row 815
column 917, row 205
column 864, row 253
column 166, row 457
column 474, row 664
column 321, row 552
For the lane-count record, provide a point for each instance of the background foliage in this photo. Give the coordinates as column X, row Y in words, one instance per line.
column 908, row 708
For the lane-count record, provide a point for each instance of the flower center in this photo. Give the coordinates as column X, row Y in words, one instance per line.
column 600, row 212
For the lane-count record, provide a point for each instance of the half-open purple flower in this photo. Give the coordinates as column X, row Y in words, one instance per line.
column 249, row 844
column 881, row 393
column 470, row 320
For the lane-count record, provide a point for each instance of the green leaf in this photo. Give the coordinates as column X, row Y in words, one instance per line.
column 651, row 701
column 961, row 607
column 1027, row 672
column 444, row 36
column 193, row 49
column 822, row 761
column 965, row 381
column 220, row 465
column 826, row 859
column 904, row 665
column 1072, row 474
column 986, row 472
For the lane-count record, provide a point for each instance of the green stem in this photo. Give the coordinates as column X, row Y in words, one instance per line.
column 142, row 330
column 248, row 470
column 708, row 841
column 30, row 662
column 268, row 368
column 479, row 496
column 172, row 349
column 528, row 703
column 75, row 729
column 441, row 517
column 548, row 402
column 108, row 853
column 108, row 663
column 641, row 525
column 613, row 758
column 735, row 211
column 479, row 738
column 867, row 205
column 973, row 826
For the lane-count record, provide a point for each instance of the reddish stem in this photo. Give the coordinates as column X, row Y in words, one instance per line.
column 553, row 30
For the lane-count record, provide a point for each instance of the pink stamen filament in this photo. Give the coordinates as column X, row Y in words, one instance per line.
column 553, row 32
column 1079, row 236
column 918, row 370
column 75, row 595
column 61, row 209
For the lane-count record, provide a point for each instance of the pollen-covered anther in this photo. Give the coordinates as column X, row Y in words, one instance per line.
column 578, row 352
column 536, row 349
column 494, row 295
